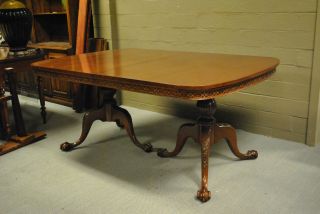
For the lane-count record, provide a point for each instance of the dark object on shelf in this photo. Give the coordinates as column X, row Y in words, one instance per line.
column 15, row 24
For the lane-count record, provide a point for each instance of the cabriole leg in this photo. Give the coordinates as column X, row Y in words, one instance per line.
column 226, row 131
column 185, row 131
column 123, row 119
column 87, row 122
column 108, row 111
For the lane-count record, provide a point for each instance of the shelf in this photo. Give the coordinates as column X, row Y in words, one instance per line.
column 52, row 45
column 54, row 31
column 47, row 6
column 50, row 13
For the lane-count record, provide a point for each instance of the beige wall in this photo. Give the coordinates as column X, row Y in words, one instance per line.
column 280, row 28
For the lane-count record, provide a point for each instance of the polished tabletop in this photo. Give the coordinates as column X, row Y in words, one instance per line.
column 183, row 74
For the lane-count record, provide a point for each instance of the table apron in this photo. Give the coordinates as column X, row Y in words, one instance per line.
column 153, row 88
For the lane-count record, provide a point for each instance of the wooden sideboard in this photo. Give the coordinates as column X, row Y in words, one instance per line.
column 54, row 31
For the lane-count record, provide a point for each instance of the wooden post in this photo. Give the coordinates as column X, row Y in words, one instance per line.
column 82, row 30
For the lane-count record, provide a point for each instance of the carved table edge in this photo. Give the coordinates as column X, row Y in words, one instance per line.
column 153, row 88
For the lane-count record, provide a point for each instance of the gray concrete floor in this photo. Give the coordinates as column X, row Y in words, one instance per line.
column 108, row 174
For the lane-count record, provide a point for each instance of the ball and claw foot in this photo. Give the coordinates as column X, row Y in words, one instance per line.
column 66, row 147
column 252, row 154
column 163, row 153
column 147, row 147
column 204, row 195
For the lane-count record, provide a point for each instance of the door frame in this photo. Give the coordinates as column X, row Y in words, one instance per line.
column 313, row 126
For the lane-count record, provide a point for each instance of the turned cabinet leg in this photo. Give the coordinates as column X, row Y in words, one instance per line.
column 226, row 131
column 42, row 100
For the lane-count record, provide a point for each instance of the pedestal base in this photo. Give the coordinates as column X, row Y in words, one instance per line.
column 109, row 111
column 207, row 132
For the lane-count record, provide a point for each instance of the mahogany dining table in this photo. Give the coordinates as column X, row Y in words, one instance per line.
column 182, row 75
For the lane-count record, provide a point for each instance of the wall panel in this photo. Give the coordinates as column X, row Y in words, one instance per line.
column 284, row 29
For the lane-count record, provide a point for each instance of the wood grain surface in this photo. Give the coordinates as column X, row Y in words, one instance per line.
column 167, row 73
